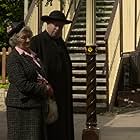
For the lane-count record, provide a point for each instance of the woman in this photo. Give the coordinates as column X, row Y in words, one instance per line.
column 27, row 93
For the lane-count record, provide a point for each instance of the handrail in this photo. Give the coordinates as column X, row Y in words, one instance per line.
column 138, row 16
column 69, row 8
column 75, row 15
column 30, row 11
column 111, row 54
column 109, row 30
column 76, row 2
column 111, row 20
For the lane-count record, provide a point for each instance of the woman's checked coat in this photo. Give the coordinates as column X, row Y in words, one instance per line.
column 24, row 98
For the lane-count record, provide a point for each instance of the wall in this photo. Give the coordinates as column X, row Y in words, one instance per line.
column 128, row 9
column 138, row 24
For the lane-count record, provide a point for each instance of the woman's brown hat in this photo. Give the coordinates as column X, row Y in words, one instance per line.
column 56, row 16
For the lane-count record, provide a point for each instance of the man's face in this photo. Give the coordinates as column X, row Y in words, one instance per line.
column 54, row 28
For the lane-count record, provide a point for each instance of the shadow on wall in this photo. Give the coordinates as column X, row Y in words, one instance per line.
column 130, row 73
column 129, row 80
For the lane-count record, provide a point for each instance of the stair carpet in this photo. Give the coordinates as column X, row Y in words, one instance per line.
column 76, row 46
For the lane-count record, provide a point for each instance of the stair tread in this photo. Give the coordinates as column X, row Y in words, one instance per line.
column 81, row 36
column 98, row 88
column 105, row 1
column 79, row 23
column 79, row 64
column 101, row 48
column 98, row 105
column 101, row 29
column 98, row 72
column 100, row 41
column 104, row 12
column 104, row 6
column 78, row 59
column 76, row 41
column 101, row 23
column 84, row 96
column 81, row 80
column 100, row 35
column 100, row 64
column 103, row 17
column 100, row 57
column 82, row 56
column 79, row 72
column 80, row 29
column 102, row 80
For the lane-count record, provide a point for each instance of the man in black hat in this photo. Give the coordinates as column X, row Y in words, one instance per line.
column 51, row 49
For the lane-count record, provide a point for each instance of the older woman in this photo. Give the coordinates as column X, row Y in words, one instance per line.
column 26, row 94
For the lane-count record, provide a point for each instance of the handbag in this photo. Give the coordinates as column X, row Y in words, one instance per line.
column 52, row 114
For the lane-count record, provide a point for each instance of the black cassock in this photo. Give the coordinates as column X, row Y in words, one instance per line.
column 53, row 54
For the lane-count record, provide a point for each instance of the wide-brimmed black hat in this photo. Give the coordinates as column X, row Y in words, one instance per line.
column 56, row 16
column 16, row 27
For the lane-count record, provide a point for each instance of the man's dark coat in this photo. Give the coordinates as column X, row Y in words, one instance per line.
column 53, row 53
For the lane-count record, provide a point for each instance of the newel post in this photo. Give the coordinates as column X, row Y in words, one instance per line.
column 91, row 132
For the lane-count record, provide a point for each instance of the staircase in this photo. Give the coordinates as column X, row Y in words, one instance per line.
column 76, row 46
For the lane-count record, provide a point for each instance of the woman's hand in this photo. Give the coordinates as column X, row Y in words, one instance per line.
column 42, row 81
column 50, row 90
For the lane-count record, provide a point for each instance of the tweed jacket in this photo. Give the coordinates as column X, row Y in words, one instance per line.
column 24, row 91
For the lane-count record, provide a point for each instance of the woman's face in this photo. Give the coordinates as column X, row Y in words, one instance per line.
column 24, row 40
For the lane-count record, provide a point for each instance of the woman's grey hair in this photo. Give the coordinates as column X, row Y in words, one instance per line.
column 13, row 41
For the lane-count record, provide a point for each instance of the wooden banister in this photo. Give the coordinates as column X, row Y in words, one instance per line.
column 30, row 11
column 111, row 19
